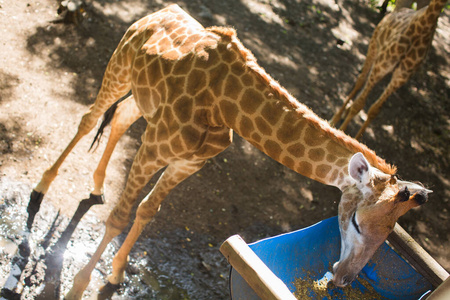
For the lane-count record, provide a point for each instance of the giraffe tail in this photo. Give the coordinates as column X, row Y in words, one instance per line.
column 107, row 118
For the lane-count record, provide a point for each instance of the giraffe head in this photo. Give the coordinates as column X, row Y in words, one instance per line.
column 369, row 207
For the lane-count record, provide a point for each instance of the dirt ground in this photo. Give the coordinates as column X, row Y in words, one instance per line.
column 50, row 73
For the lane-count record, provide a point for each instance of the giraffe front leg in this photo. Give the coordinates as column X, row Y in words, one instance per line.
column 81, row 280
column 119, row 216
column 114, row 226
column 174, row 174
column 120, row 260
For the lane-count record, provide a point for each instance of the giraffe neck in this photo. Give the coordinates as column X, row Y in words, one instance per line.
column 257, row 108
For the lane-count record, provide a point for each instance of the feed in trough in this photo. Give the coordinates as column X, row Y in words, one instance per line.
column 310, row 288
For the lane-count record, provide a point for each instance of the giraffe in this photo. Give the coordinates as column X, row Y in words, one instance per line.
column 398, row 45
column 195, row 86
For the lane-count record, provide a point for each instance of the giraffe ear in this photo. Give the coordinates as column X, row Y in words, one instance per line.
column 359, row 168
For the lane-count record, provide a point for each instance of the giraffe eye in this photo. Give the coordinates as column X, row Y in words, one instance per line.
column 381, row 179
column 355, row 224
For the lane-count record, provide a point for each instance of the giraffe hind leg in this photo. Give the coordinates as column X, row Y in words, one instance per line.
column 361, row 81
column 398, row 79
column 343, row 111
column 121, row 115
column 105, row 99
column 357, row 106
column 374, row 76
column 95, row 198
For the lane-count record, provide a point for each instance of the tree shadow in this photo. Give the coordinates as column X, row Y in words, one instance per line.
column 80, row 50
column 10, row 128
column 8, row 83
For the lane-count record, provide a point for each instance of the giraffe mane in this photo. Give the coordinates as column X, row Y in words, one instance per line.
column 223, row 30
column 229, row 35
column 348, row 142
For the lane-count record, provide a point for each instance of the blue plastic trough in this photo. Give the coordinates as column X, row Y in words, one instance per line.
column 310, row 253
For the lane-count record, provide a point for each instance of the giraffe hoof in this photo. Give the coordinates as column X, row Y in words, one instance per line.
column 107, row 290
column 33, row 206
column 95, row 199
column 85, row 204
column 8, row 294
column 35, row 202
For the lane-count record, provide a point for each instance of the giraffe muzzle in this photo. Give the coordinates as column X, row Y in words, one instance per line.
column 344, row 280
column 421, row 196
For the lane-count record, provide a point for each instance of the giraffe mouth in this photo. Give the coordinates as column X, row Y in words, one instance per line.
column 342, row 276
column 344, row 280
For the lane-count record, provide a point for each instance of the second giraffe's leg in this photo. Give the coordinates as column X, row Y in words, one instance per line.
column 145, row 165
column 357, row 106
column 398, row 79
column 173, row 175
column 375, row 75
column 362, row 78
column 358, row 85
column 126, row 114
